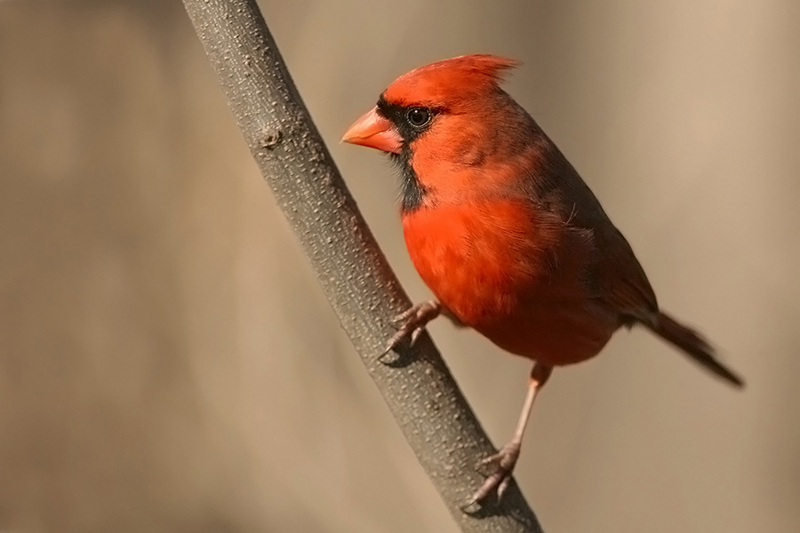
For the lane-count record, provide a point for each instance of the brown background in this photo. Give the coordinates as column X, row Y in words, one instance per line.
column 167, row 360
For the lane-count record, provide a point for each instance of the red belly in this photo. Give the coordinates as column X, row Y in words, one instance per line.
column 500, row 270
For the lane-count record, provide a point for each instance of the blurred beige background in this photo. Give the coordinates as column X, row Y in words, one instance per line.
column 167, row 360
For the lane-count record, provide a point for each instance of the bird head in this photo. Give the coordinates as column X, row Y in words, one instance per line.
column 452, row 130
column 421, row 100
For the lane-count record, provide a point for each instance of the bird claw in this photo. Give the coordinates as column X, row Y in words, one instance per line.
column 415, row 335
column 412, row 323
column 498, row 480
column 408, row 313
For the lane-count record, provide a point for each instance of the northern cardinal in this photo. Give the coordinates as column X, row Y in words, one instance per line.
column 505, row 233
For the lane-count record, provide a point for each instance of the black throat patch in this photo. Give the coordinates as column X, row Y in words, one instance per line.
column 412, row 190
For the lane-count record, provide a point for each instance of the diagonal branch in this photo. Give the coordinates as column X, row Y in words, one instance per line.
column 418, row 388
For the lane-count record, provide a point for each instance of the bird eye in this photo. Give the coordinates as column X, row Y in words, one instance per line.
column 418, row 116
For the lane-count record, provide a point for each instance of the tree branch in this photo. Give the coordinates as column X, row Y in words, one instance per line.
column 418, row 388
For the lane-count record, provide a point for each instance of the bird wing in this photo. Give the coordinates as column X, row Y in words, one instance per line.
column 613, row 273
column 622, row 285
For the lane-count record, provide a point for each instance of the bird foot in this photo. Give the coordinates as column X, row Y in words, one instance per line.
column 499, row 476
column 412, row 323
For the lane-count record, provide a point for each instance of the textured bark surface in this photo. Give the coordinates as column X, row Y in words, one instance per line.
column 417, row 386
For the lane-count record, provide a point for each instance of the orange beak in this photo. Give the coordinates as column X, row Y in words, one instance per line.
column 374, row 131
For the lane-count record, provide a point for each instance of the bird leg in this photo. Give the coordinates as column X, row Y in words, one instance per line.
column 412, row 323
column 503, row 462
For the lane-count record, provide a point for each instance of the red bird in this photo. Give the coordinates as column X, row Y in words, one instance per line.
column 505, row 233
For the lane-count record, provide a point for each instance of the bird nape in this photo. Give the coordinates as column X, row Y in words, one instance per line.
column 506, row 234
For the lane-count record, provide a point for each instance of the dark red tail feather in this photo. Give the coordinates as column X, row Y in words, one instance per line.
column 694, row 345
